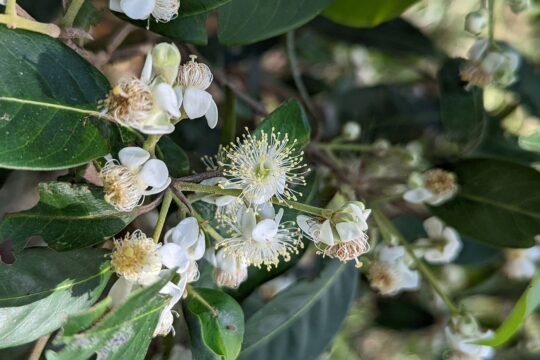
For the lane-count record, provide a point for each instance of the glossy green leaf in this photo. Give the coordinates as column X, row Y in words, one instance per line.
column 196, row 7
column 48, row 104
column 301, row 321
column 67, row 217
column 43, row 287
column 526, row 305
column 462, row 111
column 366, row 13
column 174, row 156
column 189, row 28
column 498, row 203
column 221, row 320
column 248, row 21
column 289, row 118
column 123, row 333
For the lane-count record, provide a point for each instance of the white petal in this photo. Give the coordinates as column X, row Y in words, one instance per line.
column 266, row 211
column 212, row 115
column 133, row 157
column 186, row 232
column 138, row 9
column 114, row 5
column 196, row 102
column 154, row 173
column 224, row 200
column 477, row 50
column 361, row 216
column 153, row 129
column 279, row 216
column 248, row 222
column 196, row 252
column 391, row 253
column 120, row 291
column 326, row 235
column 157, row 189
column 179, row 95
column 417, row 196
column 434, row 227
column 307, row 224
column 166, row 99
column 173, row 256
column 348, row 231
column 146, row 73
column 265, row 230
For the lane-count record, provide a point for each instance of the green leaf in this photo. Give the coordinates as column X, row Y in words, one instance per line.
column 366, row 13
column 43, row 287
column 174, row 156
column 526, row 305
column 67, row 217
column 498, row 203
column 190, row 29
column 124, row 333
column 87, row 16
column 248, row 21
column 289, row 118
column 531, row 142
column 221, row 320
column 462, row 111
column 299, row 323
column 48, row 104
column 196, row 7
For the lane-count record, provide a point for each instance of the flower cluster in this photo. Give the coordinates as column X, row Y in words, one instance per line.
column 165, row 93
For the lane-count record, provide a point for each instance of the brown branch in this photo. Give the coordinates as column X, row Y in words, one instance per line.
column 197, row 178
column 183, row 199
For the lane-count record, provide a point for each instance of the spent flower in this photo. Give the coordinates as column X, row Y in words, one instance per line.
column 389, row 272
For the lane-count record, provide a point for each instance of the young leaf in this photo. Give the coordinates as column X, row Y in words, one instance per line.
column 67, row 217
column 300, row 322
column 526, row 305
column 462, row 111
column 43, row 287
column 124, row 333
column 221, row 320
column 498, row 203
column 289, row 118
column 248, row 21
column 48, row 104
column 365, row 13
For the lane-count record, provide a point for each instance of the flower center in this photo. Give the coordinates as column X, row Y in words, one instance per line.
column 135, row 256
column 120, row 186
column 439, row 181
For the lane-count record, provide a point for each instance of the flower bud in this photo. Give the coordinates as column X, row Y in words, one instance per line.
column 166, row 61
column 518, row 6
column 476, row 21
column 351, row 131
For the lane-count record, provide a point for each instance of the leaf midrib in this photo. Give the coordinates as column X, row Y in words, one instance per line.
column 498, row 204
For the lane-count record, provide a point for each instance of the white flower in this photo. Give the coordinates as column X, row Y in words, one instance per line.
column 260, row 239
column 488, row 65
column 136, row 258
column 127, row 181
column 175, row 293
column 343, row 235
column 518, row 6
column 183, row 246
column 193, row 80
column 461, row 335
column 229, row 271
column 148, row 104
column 264, row 167
column 433, row 187
column 227, row 205
column 389, row 273
column 521, row 263
column 476, row 21
column 351, row 131
column 161, row 10
column 443, row 244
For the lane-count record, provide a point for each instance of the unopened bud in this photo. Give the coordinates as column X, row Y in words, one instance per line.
column 476, row 21
column 166, row 61
column 351, row 131
column 518, row 6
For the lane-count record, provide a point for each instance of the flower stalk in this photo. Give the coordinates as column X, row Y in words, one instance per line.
column 71, row 13
column 13, row 21
column 165, row 205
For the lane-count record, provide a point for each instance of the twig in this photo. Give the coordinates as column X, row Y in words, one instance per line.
column 181, row 198
column 39, row 346
column 197, row 178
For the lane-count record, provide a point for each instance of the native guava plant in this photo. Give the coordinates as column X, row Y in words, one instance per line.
column 255, row 179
